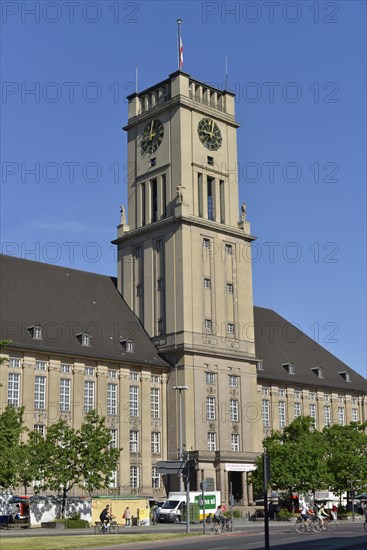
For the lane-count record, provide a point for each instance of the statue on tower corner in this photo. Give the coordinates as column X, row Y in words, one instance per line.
column 123, row 218
column 243, row 212
column 180, row 187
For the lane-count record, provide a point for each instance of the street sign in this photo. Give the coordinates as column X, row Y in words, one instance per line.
column 170, row 466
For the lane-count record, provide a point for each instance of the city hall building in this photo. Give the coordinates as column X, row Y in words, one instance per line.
column 173, row 352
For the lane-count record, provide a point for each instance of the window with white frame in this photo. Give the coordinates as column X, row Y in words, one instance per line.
column 230, row 328
column 134, row 401
column 341, row 418
column 327, row 415
column 40, row 429
column 156, row 478
column 41, row 365
column 312, row 411
column 212, row 441
column 134, row 375
column 89, row 396
column 113, row 479
column 89, row 371
column 282, row 419
column 155, row 402
column 155, row 379
column 206, row 283
column 354, row 415
column 354, row 401
column 85, row 339
column 327, row 397
column 281, row 393
column 40, row 393
column 208, row 325
column 229, row 288
column 206, row 243
column 138, row 251
column 134, row 441
column 235, row 442
column 233, row 381
column 111, row 399
column 297, row 394
column 14, row 362
column 341, row 400
column 210, row 408
column 266, row 413
column 134, row 477
column 65, row 394
column 297, row 410
column 265, row 391
column 112, row 373
column 233, row 409
column 13, row 389
column 210, row 378
column 156, row 442
column 312, row 396
column 65, row 369
column 37, row 332
column 228, row 249
column 114, row 438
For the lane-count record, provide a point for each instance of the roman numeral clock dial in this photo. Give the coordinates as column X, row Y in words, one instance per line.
column 151, row 137
column 209, row 134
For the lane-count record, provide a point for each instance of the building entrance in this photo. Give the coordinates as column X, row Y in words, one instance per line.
column 236, row 479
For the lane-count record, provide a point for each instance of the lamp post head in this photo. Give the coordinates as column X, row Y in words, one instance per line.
column 180, row 388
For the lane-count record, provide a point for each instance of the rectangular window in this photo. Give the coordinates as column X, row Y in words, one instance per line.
column 155, row 443
column 143, row 218
column 354, row 401
column 88, row 396
column 210, row 377
column 354, row 415
column 206, row 243
column 134, row 375
column 65, row 394
column 327, row 415
column 229, row 288
column 210, row 161
column 235, row 442
column 134, row 477
column 341, row 400
column 206, row 283
column 89, row 371
column 313, row 413
column 65, row 369
column 13, row 389
column 221, row 198
column 138, row 252
column 134, row 441
column 200, row 195
column 112, row 373
column 208, row 325
column 210, row 191
column 138, row 290
column 39, row 428
column 233, row 408
column 159, row 245
column 111, row 399
column 154, row 200
column 160, row 284
column 85, row 339
column 230, row 328
column 160, row 327
column 297, row 410
column 129, row 346
column 265, row 391
column 312, row 396
column 156, row 478
column 281, row 393
column 327, row 397
column 297, row 394
column 155, row 379
column 281, row 414
column 41, row 365
column 341, row 419
column 228, row 249
column 266, row 413
column 134, row 401
column 212, row 441
column 40, row 393
column 155, row 402
column 113, row 479
column 210, row 408
column 14, row 362
column 164, row 196
column 233, row 381
column 114, row 439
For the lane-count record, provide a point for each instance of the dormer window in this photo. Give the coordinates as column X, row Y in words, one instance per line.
column 319, row 372
column 36, row 332
column 259, row 365
column 289, row 367
column 84, row 338
column 346, row 375
column 128, row 345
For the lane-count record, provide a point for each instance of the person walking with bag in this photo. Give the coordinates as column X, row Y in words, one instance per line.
column 127, row 517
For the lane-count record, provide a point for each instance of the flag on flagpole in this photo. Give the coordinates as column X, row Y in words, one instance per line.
column 181, row 54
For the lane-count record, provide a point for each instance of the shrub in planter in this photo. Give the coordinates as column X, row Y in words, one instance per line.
column 76, row 524
column 284, row 515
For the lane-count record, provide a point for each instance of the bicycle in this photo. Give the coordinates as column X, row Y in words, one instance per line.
column 311, row 524
column 101, row 529
column 330, row 524
column 222, row 526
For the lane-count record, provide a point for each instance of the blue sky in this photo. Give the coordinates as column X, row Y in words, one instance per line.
column 298, row 69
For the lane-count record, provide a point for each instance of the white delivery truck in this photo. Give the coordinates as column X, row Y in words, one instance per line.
column 172, row 510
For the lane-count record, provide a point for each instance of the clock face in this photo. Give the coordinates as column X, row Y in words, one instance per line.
column 152, row 136
column 209, row 134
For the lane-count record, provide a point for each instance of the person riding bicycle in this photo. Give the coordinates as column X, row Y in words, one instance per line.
column 304, row 511
column 321, row 514
column 106, row 517
column 218, row 515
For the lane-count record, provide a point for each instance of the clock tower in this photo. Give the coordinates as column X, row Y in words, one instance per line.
column 184, row 268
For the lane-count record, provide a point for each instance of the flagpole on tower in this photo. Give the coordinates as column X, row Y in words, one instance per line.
column 226, row 85
column 179, row 45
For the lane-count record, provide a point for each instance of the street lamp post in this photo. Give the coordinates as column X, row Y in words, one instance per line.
column 180, row 389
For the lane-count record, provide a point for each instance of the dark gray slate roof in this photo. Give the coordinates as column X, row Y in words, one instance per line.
column 279, row 342
column 67, row 302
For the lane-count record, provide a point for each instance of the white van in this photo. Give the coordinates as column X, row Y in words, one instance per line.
column 171, row 511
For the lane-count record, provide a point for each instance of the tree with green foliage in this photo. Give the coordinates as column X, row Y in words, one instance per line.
column 11, row 429
column 69, row 457
column 346, row 456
